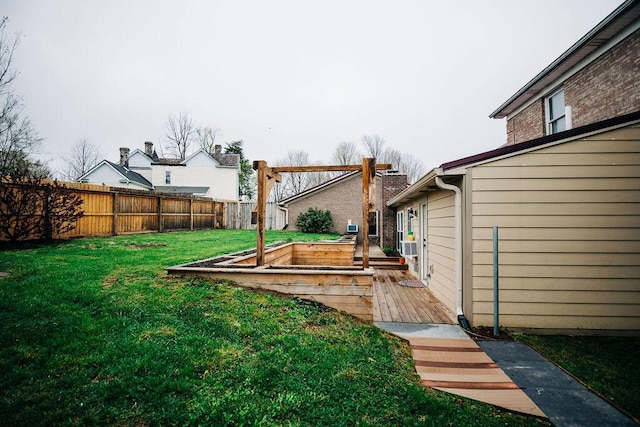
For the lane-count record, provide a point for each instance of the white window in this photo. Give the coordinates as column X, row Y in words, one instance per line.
column 399, row 229
column 556, row 117
column 167, row 177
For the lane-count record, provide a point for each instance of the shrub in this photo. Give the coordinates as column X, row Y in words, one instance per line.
column 392, row 252
column 315, row 221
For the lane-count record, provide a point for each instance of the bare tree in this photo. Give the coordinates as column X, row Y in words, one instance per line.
column 32, row 208
column 317, row 178
column 18, row 139
column 373, row 145
column 83, row 156
column 180, row 132
column 346, row 153
column 390, row 155
column 207, row 137
column 294, row 182
column 411, row 166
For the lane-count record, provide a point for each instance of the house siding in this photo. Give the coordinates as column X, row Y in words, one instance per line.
column 440, row 244
column 222, row 182
column 569, row 218
column 606, row 88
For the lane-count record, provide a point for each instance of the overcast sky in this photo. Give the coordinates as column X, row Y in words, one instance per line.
column 286, row 75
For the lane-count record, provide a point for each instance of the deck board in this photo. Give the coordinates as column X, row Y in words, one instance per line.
column 396, row 303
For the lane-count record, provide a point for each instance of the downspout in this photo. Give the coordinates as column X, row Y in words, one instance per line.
column 286, row 216
column 458, row 248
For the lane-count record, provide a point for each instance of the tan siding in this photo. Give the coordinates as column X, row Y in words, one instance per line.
column 568, row 283
column 533, row 184
column 569, row 218
column 441, row 246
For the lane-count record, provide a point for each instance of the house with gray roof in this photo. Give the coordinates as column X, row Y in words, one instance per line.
column 214, row 175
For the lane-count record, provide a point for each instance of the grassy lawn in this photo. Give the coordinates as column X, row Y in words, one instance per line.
column 608, row 365
column 94, row 332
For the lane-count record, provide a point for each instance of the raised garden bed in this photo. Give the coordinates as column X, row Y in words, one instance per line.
column 321, row 271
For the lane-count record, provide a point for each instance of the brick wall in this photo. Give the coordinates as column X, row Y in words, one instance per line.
column 526, row 125
column 392, row 184
column 608, row 87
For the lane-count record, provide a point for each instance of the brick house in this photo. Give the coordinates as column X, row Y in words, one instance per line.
column 563, row 194
column 342, row 197
column 594, row 80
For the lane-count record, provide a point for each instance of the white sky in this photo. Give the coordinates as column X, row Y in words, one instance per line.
column 286, row 75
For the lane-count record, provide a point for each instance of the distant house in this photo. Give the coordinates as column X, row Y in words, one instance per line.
column 115, row 175
column 342, row 196
column 566, row 202
column 213, row 175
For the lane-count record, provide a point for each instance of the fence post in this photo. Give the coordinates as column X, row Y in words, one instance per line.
column 496, row 284
column 160, row 217
column 191, row 214
column 114, row 231
column 215, row 214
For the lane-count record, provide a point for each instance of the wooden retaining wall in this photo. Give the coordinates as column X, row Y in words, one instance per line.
column 320, row 272
column 350, row 291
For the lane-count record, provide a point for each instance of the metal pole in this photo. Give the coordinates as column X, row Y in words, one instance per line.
column 496, row 280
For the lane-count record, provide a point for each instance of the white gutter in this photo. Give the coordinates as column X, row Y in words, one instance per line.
column 458, row 238
column 286, row 216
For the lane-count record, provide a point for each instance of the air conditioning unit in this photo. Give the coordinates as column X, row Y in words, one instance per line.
column 352, row 228
column 409, row 248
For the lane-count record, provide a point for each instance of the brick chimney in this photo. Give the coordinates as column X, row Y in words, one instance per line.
column 217, row 149
column 148, row 148
column 124, row 157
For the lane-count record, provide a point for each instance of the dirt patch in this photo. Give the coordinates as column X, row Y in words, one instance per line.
column 109, row 281
column 4, row 275
column 486, row 333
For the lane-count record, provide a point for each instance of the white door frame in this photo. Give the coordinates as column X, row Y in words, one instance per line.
column 424, row 252
column 399, row 228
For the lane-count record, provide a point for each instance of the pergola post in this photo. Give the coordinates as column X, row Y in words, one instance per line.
column 261, row 170
column 368, row 176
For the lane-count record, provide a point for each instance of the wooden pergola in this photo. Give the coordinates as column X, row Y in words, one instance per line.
column 268, row 176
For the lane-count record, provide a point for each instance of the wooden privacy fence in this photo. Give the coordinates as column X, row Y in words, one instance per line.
column 113, row 211
column 109, row 211
column 239, row 216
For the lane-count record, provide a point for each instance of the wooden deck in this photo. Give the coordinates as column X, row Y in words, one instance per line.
column 393, row 302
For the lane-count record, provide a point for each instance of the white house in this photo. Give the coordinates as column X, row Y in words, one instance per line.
column 214, row 175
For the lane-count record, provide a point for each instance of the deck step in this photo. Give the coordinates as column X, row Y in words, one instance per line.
column 383, row 265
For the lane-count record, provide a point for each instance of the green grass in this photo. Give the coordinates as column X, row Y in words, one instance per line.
column 608, row 365
column 94, row 332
